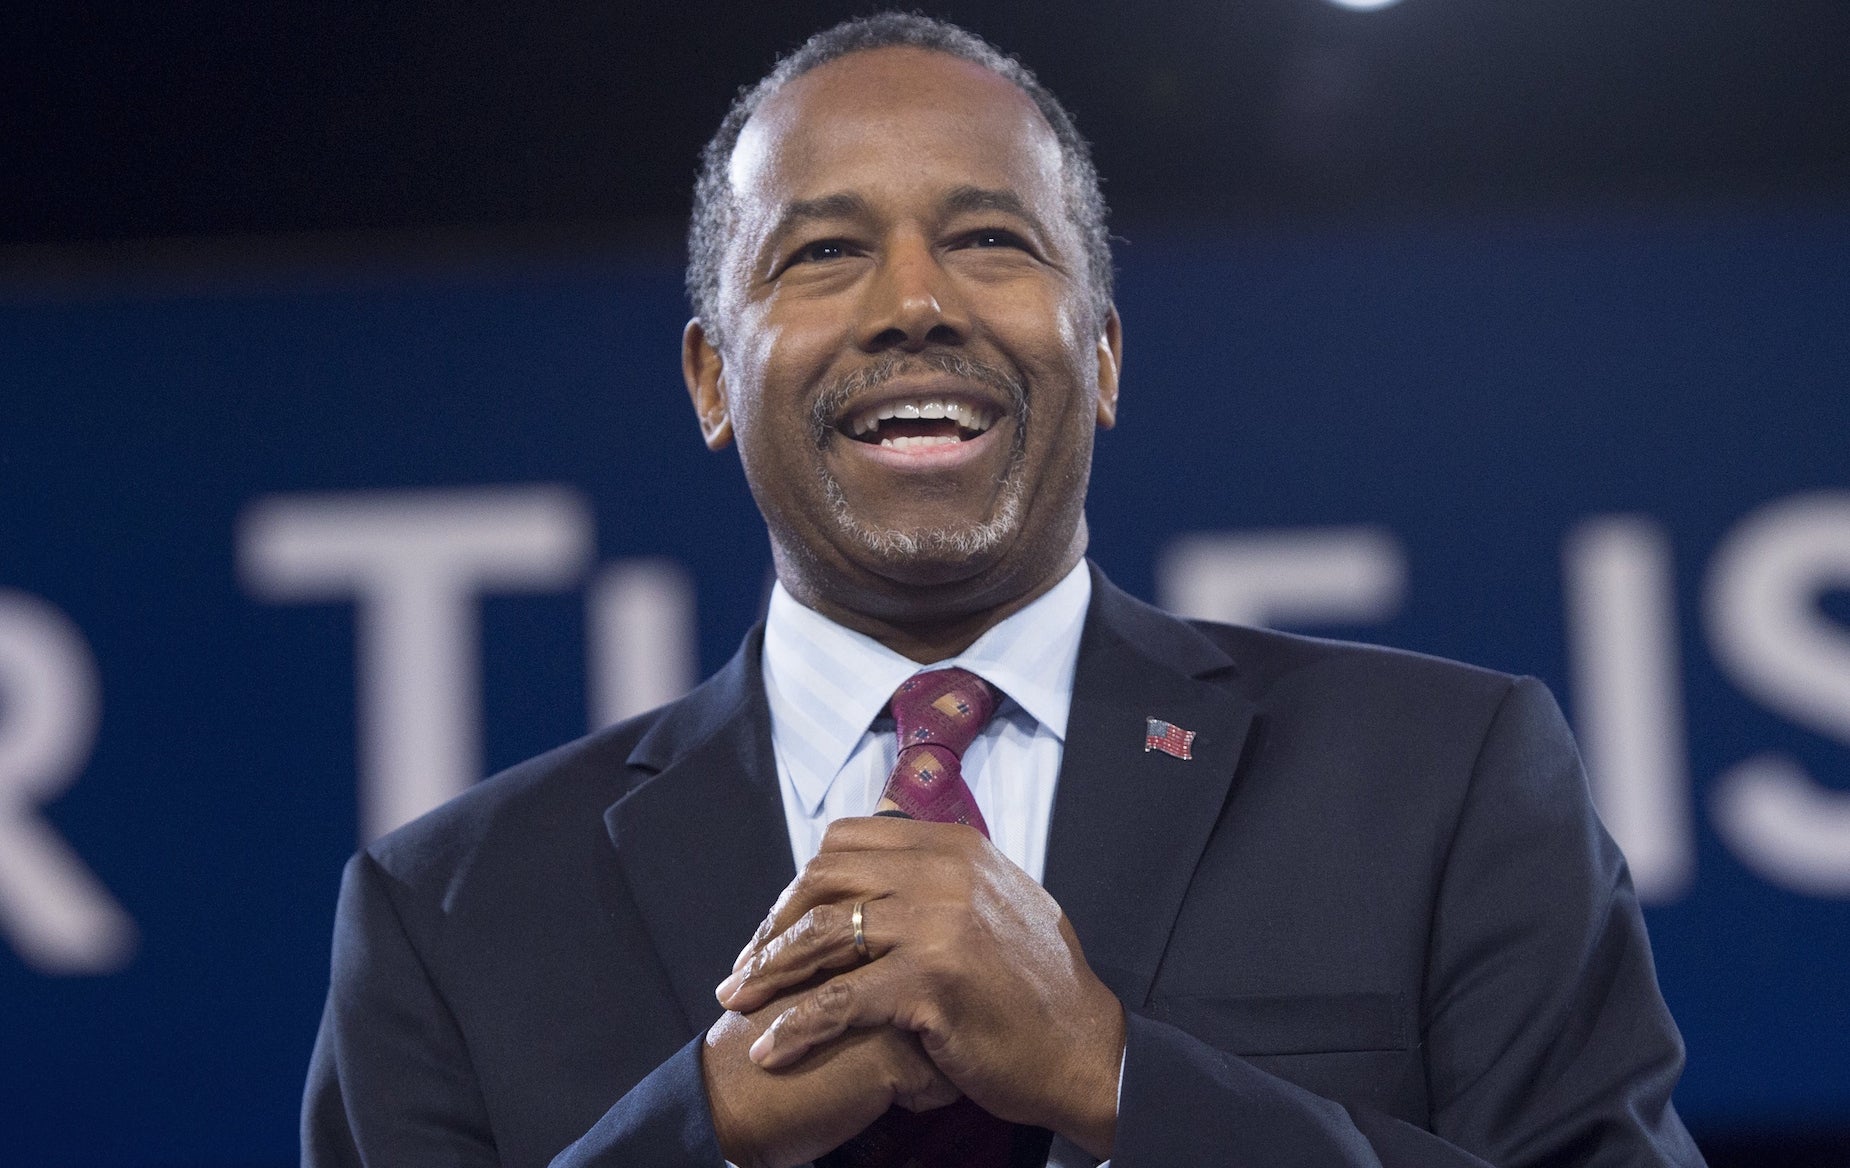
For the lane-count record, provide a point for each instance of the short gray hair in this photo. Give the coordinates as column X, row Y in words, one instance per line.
column 714, row 208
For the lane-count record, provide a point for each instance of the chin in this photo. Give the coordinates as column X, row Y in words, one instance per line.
column 919, row 547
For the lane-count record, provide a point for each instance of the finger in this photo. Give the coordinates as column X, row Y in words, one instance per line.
column 821, row 939
column 769, row 927
column 846, row 877
column 885, row 833
column 924, row 1088
column 863, row 997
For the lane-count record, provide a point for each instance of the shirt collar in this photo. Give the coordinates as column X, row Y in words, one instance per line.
column 825, row 683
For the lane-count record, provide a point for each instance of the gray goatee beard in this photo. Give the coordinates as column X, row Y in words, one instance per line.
column 964, row 542
column 932, row 542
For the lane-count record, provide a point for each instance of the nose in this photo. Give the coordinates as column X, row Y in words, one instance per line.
column 912, row 302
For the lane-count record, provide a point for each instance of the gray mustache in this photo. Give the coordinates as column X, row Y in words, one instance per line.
column 836, row 396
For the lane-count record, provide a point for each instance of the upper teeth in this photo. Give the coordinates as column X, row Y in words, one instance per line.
column 967, row 417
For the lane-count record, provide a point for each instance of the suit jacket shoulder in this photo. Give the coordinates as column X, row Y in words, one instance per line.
column 549, row 938
column 544, row 798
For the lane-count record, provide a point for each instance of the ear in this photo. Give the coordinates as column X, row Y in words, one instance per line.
column 1110, row 361
column 702, row 369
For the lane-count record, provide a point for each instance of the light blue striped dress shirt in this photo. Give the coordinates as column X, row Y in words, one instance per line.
column 827, row 687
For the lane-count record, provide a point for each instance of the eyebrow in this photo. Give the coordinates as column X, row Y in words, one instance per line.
column 848, row 205
column 966, row 199
column 845, row 205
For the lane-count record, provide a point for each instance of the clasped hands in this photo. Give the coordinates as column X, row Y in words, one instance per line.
column 974, row 985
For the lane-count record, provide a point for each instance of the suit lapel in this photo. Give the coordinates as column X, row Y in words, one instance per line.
column 702, row 843
column 1129, row 825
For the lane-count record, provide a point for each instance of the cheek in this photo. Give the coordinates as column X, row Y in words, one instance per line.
column 751, row 371
column 774, row 375
column 790, row 347
column 1042, row 323
column 1063, row 367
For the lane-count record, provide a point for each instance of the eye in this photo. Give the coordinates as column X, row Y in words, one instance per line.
column 995, row 237
column 820, row 251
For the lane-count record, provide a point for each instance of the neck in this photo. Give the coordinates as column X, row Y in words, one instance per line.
column 929, row 625
column 929, row 642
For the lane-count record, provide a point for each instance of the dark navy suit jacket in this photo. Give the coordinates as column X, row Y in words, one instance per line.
column 1373, row 921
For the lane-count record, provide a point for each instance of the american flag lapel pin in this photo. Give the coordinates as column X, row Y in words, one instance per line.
column 1168, row 738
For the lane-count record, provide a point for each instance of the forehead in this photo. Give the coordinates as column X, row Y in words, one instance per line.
column 896, row 123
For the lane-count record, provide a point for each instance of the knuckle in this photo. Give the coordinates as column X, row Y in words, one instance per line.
column 953, row 943
column 924, row 1018
column 838, row 834
column 817, row 873
column 814, row 883
column 911, row 1080
column 785, row 898
column 834, row 925
column 767, row 956
column 811, row 928
column 755, row 966
column 833, row 997
column 794, row 895
column 780, row 1026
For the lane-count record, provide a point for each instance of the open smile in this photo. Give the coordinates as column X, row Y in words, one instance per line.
column 918, row 423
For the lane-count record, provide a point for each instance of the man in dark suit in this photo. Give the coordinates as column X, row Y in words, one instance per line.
column 1244, row 898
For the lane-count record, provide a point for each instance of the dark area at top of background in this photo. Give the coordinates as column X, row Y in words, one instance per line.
column 136, row 121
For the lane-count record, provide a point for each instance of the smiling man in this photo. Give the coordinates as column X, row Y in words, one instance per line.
column 967, row 858
column 910, row 336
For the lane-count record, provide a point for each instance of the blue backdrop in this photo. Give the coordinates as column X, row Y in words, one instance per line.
column 262, row 534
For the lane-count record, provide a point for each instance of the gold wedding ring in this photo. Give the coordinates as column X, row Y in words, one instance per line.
column 858, row 920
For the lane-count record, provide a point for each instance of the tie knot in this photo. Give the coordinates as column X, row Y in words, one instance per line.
column 943, row 707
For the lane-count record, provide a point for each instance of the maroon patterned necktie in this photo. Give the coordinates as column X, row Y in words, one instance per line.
column 937, row 714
